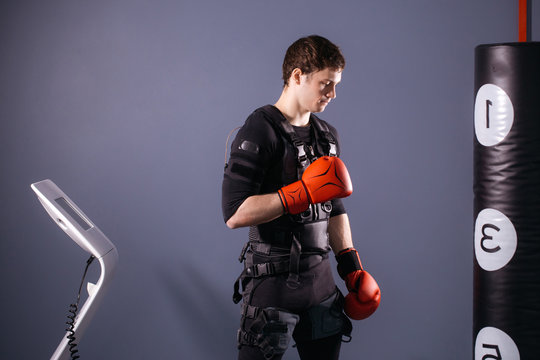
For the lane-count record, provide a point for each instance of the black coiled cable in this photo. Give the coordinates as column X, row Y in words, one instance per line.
column 73, row 308
column 71, row 334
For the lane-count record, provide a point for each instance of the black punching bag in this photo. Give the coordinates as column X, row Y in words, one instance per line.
column 507, row 202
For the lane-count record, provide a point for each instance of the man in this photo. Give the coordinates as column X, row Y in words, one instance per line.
column 284, row 180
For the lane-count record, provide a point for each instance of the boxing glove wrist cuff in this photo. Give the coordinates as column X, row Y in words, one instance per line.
column 283, row 202
column 294, row 198
column 348, row 261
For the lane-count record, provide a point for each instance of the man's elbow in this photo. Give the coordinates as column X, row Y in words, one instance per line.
column 232, row 224
column 235, row 221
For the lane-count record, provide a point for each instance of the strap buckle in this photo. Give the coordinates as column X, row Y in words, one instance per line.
column 242, row 256
column 301, row 154
column 250, row 311
column 333, row 149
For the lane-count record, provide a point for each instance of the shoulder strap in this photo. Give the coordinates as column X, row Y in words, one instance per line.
column 322, row 128
column 277, row 118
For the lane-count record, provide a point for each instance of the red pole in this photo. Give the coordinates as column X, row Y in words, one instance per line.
column 522, row 20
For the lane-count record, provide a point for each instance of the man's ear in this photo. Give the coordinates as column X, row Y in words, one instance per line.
column 295, row 76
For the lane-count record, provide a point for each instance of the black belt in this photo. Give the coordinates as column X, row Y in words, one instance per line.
column 293, row 266
column 312, row 236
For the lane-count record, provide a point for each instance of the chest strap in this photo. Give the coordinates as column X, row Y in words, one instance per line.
column 321, row 131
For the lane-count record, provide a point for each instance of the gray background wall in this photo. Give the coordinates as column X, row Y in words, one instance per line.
column 126, row 105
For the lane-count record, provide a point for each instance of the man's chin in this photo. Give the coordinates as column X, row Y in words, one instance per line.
column 321, row 106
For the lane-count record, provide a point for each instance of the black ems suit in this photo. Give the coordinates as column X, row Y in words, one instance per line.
column 287, row 282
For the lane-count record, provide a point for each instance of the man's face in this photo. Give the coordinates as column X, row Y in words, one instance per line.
column 318, row 88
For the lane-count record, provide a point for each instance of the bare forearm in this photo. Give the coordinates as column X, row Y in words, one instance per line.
column 256, row 209
column 339, row 232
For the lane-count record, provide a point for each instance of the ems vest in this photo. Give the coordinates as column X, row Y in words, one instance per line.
column 297, row 156
column 294, row 235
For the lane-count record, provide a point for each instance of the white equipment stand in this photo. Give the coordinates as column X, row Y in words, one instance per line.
column 88, row 236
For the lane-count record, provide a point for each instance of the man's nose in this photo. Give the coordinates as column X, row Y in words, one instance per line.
column 331, row 94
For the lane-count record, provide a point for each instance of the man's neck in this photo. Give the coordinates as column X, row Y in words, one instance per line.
column 290, row 108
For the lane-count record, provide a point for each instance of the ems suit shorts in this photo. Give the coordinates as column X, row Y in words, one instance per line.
column 273, row 313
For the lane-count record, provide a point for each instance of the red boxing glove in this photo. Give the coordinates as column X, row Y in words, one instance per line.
column 364, row 293
column 325, row 179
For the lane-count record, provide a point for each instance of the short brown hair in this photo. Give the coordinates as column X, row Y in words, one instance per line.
column 312, row 53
